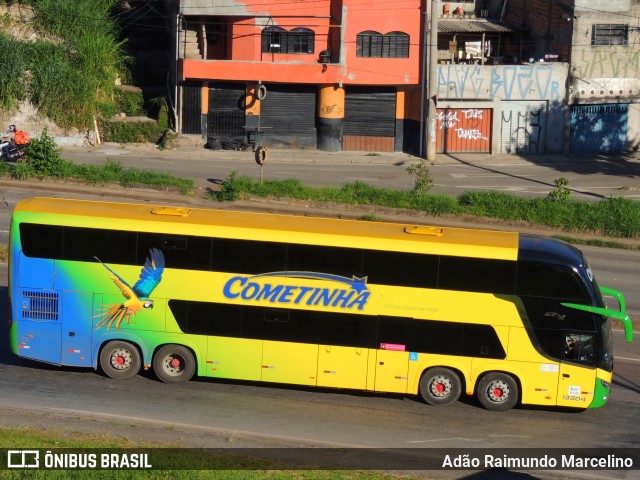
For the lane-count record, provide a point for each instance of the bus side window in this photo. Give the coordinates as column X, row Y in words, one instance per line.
column 476, row 275
column 180, row 251
column 346, row 262
column 41, row 241
column 248, row 256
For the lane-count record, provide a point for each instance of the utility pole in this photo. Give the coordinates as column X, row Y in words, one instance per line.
column 433, row 81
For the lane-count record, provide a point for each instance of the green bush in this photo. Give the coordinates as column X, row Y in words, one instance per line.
column 130, row 103
column 4, row 167
column 423, row 181
column 22, row 171
column 43, row 156
column 233, row 188
column 562, row 191
column 130, row 132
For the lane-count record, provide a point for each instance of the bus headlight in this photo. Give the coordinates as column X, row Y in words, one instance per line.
column 606, row 385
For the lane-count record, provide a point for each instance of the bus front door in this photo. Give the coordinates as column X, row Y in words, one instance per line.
column 577, row 378
column 392, row 368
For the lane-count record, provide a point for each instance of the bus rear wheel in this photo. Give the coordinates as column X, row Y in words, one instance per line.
column 120, row 360
column 174, row 364
column 498, row 391
column 440, row 386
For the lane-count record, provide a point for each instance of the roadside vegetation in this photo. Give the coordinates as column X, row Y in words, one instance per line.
column 43, row 160
column 615, row 217
column 227, row 467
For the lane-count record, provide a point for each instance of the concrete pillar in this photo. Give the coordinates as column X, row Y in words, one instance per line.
column 330, row 118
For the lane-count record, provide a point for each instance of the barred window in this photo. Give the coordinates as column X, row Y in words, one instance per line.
column 278, row 40
column 375, row 45
column 610, row 34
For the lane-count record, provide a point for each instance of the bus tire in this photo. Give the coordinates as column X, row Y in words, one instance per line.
column 174, row 364
column 120, row 360
column 498, row 391
column 440, row 386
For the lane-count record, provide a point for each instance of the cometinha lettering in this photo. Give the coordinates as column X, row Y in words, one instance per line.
column 353, row 296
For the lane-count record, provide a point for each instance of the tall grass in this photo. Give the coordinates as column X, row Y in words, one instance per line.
column 14, row 65
column 72, row 67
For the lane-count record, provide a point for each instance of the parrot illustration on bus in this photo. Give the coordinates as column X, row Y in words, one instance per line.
column 136, row 297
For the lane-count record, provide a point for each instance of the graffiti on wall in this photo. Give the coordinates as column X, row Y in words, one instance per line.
column 599, row 63
column 521, row 132
column 506, row 82
column 463, row 130
column 450, row 120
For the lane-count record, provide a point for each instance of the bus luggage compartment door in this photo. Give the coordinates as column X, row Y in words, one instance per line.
column 289, row 362
column 77, row 326
column 342, row 367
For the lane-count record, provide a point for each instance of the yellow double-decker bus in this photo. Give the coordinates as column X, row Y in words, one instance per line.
column 427, row 311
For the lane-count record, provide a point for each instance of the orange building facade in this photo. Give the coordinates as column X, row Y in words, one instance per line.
column 329, row 74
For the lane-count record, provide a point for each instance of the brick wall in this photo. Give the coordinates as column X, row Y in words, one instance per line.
column 547, row 31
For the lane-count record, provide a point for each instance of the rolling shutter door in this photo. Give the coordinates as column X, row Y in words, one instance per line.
column 288, row 115
column 523, row 126
column 370, row 119
column 463, row 130
column 599, row 128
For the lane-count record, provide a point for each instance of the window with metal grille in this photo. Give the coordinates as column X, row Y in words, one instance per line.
column 610, row 34
column 279, row 40
column 39, row 305
column 375, row 45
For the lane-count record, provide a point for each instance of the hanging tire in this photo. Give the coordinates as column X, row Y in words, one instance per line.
column 440, row 386
column 174, row 364
column 261, row 92
column 261, row 155
column 498, row 391
column 120, row 360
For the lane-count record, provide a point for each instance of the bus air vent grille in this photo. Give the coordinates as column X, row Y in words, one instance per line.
column 39, row 305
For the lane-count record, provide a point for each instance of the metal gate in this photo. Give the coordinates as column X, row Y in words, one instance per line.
column 599, row 128
column 463, row 130
column 191, row 108
column 370, row 119
column 226, row 111
column 288, row 115
column 523, row 126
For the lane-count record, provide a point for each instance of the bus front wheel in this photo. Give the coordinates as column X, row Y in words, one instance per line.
column 498, row 391
column 120, row 360
column 174, row 363
column 440, row 386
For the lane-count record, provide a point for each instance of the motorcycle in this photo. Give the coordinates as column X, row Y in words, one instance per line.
column 10, row 152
